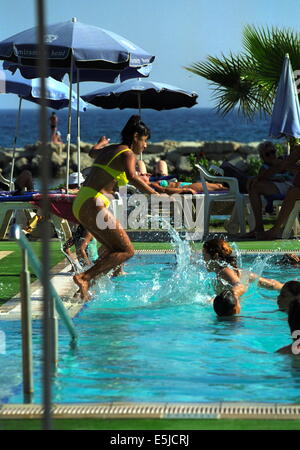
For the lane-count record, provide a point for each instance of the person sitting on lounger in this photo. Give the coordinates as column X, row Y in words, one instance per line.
column 273, row 180
column 292, row 163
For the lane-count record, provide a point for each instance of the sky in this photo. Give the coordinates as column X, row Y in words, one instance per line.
column 178, row 32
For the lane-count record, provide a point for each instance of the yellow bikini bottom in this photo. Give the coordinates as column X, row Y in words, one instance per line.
column 84, row 194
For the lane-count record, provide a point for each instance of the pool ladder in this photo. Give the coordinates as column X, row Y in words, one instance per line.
column 56, row 305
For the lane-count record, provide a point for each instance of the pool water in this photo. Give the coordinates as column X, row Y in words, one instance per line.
column 152, row 336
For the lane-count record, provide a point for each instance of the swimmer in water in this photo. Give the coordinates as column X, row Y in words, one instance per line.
column 219, row 258
column 289, row 292
column 294, row 324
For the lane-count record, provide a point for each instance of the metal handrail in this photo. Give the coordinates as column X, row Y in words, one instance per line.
column 20, row 237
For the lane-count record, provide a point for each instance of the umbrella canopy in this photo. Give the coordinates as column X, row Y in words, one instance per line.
column 285, row 119
column 106, row 76
column 57, row 93
column 141, row 94
column 76, row 48
column 74, row 43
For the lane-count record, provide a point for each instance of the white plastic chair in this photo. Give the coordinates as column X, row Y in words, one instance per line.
column 233, row 195
column 292, row 223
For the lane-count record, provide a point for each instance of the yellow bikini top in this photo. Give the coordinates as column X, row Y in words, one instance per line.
column 118, row 175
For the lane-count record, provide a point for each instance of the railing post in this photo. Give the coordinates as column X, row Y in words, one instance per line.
column 26, row 330
column 54, row 334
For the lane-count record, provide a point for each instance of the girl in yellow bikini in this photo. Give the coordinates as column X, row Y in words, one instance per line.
column 115, row 163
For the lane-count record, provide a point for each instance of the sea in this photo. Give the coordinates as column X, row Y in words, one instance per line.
column 183, row 124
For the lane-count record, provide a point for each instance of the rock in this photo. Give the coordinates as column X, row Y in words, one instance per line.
column 5, row 158
column 85, row 161
column 20, row 163
column 155, row 148
column 184, row 164
column 213, row 150
column 175, row 153
column 85, row 147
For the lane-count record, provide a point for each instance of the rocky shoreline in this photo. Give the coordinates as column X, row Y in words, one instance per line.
column 174, row 152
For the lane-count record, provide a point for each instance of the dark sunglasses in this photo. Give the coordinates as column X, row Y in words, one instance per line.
column 271, row 152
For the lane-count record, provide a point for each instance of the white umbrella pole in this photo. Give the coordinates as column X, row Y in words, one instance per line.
column 11, row 184
column 69, row 123
column 139, row 105
column 78, row 130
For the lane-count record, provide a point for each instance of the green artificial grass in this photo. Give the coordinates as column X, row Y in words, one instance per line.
column 11, row 266
column 152, row 424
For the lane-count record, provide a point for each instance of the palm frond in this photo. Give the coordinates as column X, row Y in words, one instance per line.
column 231, row 85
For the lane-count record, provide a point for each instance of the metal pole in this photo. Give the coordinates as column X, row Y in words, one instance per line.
column 15, row 146
column 78, row 129
column 139, row 105
column 45, row 164
column 18, row 234
column 26, row 330
column 69, row 123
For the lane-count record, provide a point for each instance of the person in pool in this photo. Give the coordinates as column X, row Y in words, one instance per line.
column 294, row 324
column 115, row 163
column 227, row 302
column 219, row 258
column 289, row 292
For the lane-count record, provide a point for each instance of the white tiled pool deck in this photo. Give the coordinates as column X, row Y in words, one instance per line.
column 62, row 280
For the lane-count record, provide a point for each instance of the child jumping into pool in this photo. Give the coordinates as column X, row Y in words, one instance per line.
column 114, row 163
column 231, row 282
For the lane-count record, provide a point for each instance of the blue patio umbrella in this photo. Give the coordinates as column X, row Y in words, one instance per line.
column 285, row 120
column 84, row 51
column 57, row 96
column 57, row 93
column 141, row 94
column 73, row 44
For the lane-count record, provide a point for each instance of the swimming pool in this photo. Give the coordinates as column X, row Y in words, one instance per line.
column 151, row 336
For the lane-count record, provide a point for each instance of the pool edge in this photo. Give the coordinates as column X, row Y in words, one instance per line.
column 134, row 410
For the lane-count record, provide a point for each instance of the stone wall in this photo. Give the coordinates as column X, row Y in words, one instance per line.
column 174, row 152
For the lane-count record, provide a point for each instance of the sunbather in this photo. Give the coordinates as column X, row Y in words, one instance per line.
column 286, row 208
column 181, row 187
column 273, row 180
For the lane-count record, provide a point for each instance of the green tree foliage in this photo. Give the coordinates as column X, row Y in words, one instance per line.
column 248, row 81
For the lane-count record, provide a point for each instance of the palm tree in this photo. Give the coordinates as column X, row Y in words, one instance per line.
column 248, row 81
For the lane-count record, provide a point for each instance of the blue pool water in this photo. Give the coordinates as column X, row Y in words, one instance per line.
column 152, row 336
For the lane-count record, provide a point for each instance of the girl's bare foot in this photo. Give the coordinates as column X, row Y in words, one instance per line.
column 83, row 286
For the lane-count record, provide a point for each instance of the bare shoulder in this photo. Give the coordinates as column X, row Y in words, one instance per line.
column 229, row 275
column 287, row 350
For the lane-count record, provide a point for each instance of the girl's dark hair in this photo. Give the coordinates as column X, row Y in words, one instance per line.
column 224, row 304
column 221, row 249
column 293, row 286
column 134, row 125
column 294, row 315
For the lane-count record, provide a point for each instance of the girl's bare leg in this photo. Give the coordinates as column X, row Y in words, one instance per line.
column 115, row 239
column 287, row 206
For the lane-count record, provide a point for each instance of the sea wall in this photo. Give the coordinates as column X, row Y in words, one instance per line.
column 174, row 152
